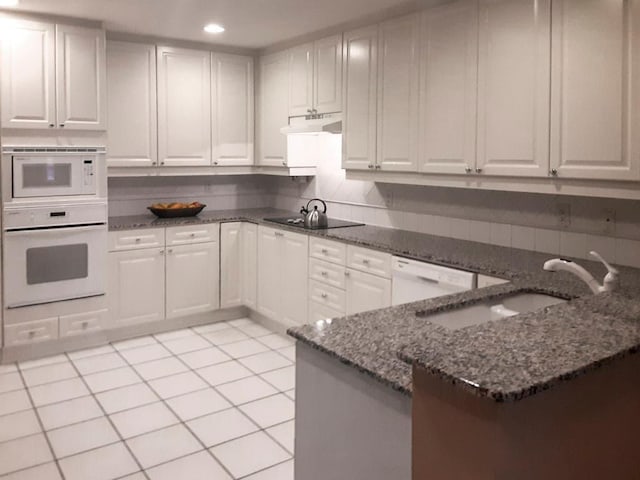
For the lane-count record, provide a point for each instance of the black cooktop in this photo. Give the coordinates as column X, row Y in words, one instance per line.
column 298, row 221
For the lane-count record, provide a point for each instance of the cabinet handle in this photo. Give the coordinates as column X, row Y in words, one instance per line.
column 324, row 295
column 32, row 333
column 154, row 163
column 468, row 170
column 369, row 166
column 347, row 273
column 138, row 240
column 161, row 252
column 366, row 262
column 325, row 251
column 478, row 170
column 85, row 325
column 215, row 163
column 170, row 250
column 284, row 163
column 324, row 274
column 554, row 173
column 62, row 125
column 161, row 163
column 51, row 125
column 278, row 234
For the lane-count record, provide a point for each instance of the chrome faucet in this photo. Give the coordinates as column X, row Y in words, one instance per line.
column 610, row 280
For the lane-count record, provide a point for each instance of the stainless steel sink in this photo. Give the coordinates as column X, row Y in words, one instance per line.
column 495, row 309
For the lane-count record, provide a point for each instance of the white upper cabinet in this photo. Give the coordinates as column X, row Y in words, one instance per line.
column 131, row 100
column 596, row 59
column 398, row 91
column 53, row 76
column 28, row 75
column 315, row 77
column 514, row 87
column 81, row 78
column 448, row 93
column 184, row 107
column 300, row 80
column 274, row 109
column 232, row 107
column 360, row 98
column 327, row 76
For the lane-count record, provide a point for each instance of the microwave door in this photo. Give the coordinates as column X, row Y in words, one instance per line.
column 47, row 176
column 55, row 264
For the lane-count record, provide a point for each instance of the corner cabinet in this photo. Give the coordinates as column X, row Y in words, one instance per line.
column 232, row 109
column 53, row 76
column 596, row 89
column 132, row 103
column 282, row 275
column 184, row 107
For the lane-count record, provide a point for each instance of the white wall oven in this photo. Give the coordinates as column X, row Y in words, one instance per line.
column 47, row 259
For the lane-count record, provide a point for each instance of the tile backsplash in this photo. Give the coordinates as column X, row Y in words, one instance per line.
column 558, row 225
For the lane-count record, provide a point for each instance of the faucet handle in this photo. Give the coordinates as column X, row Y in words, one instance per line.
column 611, row 278
column 610, row 268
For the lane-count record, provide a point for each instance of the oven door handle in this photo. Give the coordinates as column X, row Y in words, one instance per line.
column 56, row 230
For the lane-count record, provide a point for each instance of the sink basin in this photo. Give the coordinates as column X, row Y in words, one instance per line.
column 495, row 309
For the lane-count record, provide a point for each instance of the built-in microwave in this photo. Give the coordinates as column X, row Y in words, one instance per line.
column 47, row 175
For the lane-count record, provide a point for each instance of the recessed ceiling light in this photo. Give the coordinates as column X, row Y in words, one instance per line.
column 9, row 3
column 212, row 28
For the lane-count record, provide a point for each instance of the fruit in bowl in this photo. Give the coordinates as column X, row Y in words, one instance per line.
column 176, row 209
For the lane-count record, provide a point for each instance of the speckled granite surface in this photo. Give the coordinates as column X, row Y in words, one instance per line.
column 504, row 360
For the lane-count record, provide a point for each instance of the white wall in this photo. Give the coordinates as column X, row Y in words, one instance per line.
column 522, row 220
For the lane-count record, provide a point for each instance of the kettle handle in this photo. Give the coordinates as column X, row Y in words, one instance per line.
column 317, row 200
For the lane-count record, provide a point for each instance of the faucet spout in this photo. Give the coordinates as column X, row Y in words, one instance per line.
column 561, row 264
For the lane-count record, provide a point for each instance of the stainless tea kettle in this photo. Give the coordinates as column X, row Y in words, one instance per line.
column 315, row 218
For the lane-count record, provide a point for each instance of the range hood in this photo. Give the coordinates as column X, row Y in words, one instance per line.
column 314, row 124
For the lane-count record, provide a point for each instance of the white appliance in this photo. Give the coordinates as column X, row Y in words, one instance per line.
column 48, row 257
column 414, row 281
column 46, row 175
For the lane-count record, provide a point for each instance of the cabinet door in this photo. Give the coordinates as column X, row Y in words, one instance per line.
column 136, row 286
column 359, row 97
column 514, row 87
column 398, row 92
column 294, row 284
column 595, row 89
column 192, row 279
column 448, row 93
column 231, row 264
column 184, row 107
column 28, row 75
column 269, row 272
column 81, row 78
column 132, row 105
column 274, row 109
column 300, row 79
column 249, row 256
column 366, row 292
column 327, row 76
column 232, row 107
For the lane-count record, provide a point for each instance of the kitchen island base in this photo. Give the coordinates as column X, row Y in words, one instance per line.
column 348, row 425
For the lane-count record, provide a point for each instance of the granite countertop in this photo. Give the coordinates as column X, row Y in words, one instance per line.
column 504, row 360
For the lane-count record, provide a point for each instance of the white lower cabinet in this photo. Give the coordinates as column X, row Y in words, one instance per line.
column 192, row 279
column 249, row 262
column 231, row 254
column 31, row 332
column 320, row 311
column 366, row 292
column 282, row 275
column 150, row 284
column 136, row 286
column 83, row 323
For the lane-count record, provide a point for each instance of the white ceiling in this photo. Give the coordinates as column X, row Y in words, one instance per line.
column 249, row 23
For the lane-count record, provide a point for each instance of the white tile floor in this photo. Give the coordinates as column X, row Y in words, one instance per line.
column 209, row 403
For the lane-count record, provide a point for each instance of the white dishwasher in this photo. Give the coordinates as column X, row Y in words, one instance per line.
column 414, row 281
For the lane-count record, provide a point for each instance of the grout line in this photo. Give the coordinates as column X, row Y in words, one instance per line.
column 113, row 426
column 42, row 430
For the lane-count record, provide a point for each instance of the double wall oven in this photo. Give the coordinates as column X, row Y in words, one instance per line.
column 54, row 224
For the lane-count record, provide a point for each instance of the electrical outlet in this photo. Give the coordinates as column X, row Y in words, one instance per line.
column 607, row 221
column 564, row 215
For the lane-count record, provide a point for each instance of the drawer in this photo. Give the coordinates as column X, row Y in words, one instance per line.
column 334, row 252
column 136, row 239
column 81, row 323
column 326, row 272
column 31, row 332
column 369, row 261
column 318, row 311
column 193, row 234
column 331, row 297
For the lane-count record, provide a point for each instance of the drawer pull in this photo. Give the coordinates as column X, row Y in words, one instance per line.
column 193, row 235
column 366, row 262
column 325, row 251
column 324, row 274
column 32, row 333
column 347, row 273
column 324, row 295
column 85, row 324
column 138, row 240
